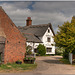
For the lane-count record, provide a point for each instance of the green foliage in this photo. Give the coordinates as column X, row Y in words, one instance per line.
column 66, row 54
column 65, row 61
column 19, row 61
column 29, row 58
column 66, row 36
column 3, row 66
column 17, row 67
column 28, row 50
column 59, row 51
column 41, row 50
column 37, row 54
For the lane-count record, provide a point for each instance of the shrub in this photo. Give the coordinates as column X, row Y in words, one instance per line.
column 18, row 62
column 28, row 50
column 66, row 55
column 41, row 50
column 65, row 61
column 29, row 58
column 37, row 54
column 59, row 51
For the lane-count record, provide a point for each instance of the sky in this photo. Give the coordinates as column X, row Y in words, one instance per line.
column 41, row 12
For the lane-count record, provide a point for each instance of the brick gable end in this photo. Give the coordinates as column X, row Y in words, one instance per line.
column 15, row 42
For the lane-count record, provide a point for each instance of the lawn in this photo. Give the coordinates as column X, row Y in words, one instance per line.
column 17, row 67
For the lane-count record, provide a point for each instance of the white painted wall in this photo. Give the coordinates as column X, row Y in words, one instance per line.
column 45, row 42
column 33, row 45
column 49, row 44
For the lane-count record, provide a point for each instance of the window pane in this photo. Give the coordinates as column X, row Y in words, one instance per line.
column 49, row 49
column 48, row 31
column 48, row 39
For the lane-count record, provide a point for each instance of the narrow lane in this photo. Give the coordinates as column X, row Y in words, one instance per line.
column 52, row 65
column 49, row 65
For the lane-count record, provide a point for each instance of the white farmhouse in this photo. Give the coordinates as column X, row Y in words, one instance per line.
column 39, row 34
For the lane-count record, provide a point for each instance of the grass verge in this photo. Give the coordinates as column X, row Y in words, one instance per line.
column 65, row 61
column 17, row 67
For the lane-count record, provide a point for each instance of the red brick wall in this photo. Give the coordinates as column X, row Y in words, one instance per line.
column 15, row 42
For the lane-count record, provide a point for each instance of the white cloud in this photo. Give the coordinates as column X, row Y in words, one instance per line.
column 55, row 13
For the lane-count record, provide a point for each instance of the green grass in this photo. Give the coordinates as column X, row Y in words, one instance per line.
column 17, row 67
column 65, row 61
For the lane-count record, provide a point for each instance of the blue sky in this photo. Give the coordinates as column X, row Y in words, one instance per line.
column 41, row 12
column 30, row 6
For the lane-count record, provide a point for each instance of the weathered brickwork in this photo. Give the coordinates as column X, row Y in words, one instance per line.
column 15, row 42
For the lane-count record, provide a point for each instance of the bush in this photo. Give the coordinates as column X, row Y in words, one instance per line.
column 18, row 62
column 29, row 58
column 41, row 50
column 65, row 61
column 28, row 50
column 66, row 55
column 63, row 52
column 37, row 54
column 59, row 51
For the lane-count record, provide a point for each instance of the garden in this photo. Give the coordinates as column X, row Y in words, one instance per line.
column 16, row 67
column 19, row 66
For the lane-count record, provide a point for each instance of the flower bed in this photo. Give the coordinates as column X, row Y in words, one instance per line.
column 29, row 60
column 18, row 62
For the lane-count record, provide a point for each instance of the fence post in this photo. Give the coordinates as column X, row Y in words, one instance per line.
column 70, row 58
column 34, row 56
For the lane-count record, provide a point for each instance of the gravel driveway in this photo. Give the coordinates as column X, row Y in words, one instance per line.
column 48, row 65
column 52, row 65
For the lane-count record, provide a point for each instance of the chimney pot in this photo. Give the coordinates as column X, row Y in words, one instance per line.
column 28, row 21
column 29, row 18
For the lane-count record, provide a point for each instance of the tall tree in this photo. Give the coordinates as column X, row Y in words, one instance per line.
column 66, row 36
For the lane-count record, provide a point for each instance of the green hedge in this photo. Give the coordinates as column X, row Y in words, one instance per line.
column 41, row 50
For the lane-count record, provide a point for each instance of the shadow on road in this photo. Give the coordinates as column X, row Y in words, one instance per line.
column 52, row 61
column 57, row 57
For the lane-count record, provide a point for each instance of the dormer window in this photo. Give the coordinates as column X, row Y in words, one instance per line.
column 48, row 31
column 48, row 39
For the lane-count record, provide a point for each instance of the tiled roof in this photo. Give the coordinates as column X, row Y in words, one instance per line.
column 32, row 38
column 36, row 30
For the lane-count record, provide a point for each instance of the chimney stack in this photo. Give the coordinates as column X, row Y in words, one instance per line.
column 28, row 21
